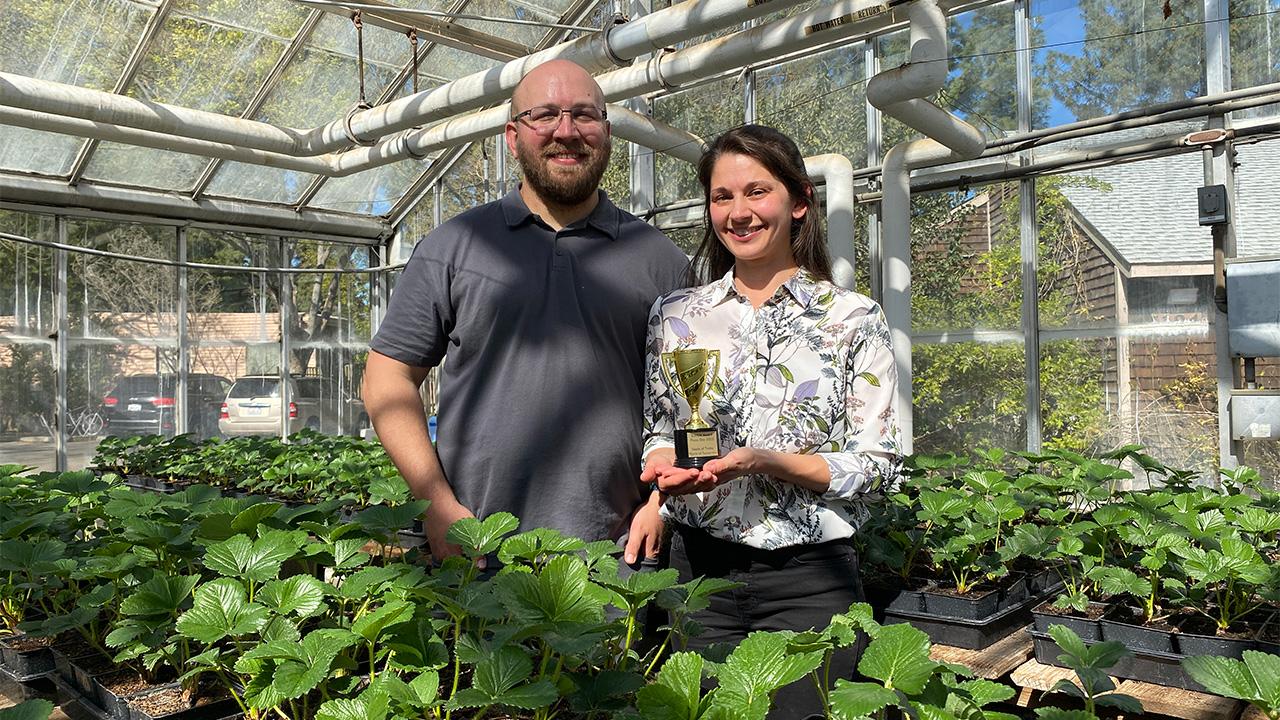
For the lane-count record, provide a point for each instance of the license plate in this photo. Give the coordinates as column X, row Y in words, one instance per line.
column 255, row 411
column 134, row 407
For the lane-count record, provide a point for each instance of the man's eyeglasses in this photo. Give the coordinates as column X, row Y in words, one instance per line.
column 544, row 119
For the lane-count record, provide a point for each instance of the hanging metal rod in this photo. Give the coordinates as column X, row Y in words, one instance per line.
column 368, row 7
column 195, row 265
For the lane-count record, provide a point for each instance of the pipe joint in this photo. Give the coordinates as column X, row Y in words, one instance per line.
column 352, row 137
column 609, row 52
column 655, row 69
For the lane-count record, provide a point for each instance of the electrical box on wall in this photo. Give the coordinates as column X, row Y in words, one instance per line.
column 1253, row 307
column 1255, row 415
column 1213, row 204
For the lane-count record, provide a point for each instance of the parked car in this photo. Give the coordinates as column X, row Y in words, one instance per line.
column 147, row 404
column 253, row 407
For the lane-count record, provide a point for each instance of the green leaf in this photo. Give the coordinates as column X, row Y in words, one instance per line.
column 558, row 594
column 38, row 709
column 300, row 595
column 604, row 691
column 370, row 625
column 478, row 537
column 220, row 610
column 859, row 699
column 497, row 679
column 1052, row 713
column 1266, row 673
column 1126, row 703
column 501, row 671
column 426, row 688
column 369, row 706
column 385, row 521
column 301, row 667
column 259, row 560
column 899, row 658
column 1070, row 643
column 985, row 692
column 676, row 693
column 248, row 520
column 537, row 694
column 531, row 545
column 161, row 595
column 1223, row 676
column 367, row 582
column 755, row 669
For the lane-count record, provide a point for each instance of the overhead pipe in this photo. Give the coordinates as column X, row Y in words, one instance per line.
column 91, row 200
column 900, row 93
column 611, row 47
column 839, row 21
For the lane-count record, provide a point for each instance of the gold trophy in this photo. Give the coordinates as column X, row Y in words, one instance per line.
column 687, row 374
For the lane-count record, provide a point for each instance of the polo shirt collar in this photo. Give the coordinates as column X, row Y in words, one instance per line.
column 802, row 287
column 606, row 217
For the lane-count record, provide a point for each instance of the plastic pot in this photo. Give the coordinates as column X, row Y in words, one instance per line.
column 23, row 660
column 1124, row 624
column 139, row 707
column 1086, row 627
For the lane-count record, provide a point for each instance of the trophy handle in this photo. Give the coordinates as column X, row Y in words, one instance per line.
column 714, row 355
column 666, row 371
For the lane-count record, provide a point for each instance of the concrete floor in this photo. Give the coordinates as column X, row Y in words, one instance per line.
column 40, row 453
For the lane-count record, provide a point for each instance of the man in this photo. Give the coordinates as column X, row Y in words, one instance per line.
column 537, row 304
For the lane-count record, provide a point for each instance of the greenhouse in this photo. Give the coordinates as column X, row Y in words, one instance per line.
column 1034, row 366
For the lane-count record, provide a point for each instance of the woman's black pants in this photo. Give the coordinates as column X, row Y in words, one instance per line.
column 795, row 588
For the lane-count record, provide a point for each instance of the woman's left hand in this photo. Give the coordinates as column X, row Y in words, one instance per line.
column 733, row 465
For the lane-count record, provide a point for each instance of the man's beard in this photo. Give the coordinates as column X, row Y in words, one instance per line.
column 563, row 186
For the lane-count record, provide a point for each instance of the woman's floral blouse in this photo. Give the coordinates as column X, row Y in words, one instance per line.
column 810, row 371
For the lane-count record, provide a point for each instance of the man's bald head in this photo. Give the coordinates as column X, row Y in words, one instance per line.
column 553, row 82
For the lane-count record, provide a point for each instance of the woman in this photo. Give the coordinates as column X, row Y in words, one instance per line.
column 803, row 401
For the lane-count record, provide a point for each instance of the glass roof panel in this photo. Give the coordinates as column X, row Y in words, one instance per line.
column 320, row 84
column 373, row 192
column 205, row 65
column 78, row 42
column 530, row 35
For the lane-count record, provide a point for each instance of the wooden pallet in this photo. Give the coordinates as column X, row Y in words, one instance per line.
column 993, row 662
column 1034, row 679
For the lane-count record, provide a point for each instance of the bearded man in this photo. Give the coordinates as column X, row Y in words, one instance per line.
column 537, row 305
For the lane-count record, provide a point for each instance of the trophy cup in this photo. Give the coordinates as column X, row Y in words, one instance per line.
column 689, row 376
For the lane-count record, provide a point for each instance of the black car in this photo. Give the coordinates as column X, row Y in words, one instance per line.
column 147, row 404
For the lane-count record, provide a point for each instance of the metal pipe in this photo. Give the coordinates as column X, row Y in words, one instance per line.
column 91, row 200
column 655, row 134
column 837, row 172
column 608, row 48
column 899, row 93
column 838, row 21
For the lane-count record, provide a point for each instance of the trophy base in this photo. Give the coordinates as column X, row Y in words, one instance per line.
column 692, row 463
column 694, row 448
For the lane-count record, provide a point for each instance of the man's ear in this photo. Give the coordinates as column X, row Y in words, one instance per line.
column 510, row 134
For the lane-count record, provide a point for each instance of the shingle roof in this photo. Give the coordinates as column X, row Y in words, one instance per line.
column 1148, row 214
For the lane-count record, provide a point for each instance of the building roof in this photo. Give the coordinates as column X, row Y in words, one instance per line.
column 1147, row 210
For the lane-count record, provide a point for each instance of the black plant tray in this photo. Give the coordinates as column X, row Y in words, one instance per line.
column 25, row 664
column 1155, row 668
column 18, row 689
column 1136, row 637
column 980, row 607
column 962, row 633
column 1088, row 629
column 215, row 710
column 883, row 599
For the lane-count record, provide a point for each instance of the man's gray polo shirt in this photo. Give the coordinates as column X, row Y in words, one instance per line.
column 542, row 336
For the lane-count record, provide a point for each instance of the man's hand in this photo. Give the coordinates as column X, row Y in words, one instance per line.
column 439, row 518
column 657, row 461
column 645, row 535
